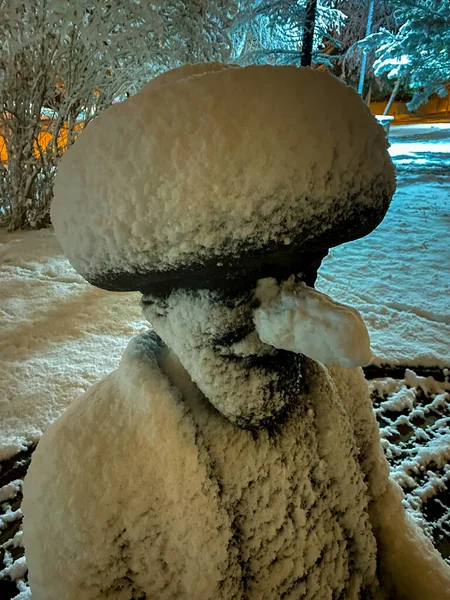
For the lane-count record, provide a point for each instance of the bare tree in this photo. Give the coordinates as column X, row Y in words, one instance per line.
column 359, row 14
column 61, row 63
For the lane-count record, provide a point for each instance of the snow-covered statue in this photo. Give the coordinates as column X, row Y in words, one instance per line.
column 223, row 460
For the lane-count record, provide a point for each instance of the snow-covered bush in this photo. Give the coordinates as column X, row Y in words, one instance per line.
column 62, row 63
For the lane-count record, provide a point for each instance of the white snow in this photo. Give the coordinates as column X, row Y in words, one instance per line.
column 420, row 462
column 58, row 335
column 10, row 515
column 24, row 591
column 400, row 400
column 186, row 452
column 398, row 276
column 17, row 569
column 241, row 490
column 133, row 426
column 301, row 319
column 427, row 384
column 405, row 554
column 196, row 327
column 209, row 166
column 10, row 490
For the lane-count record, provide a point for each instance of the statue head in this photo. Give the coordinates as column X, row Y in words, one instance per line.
column 209, row 179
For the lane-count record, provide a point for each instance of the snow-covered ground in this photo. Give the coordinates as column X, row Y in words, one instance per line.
column 59, row 334
column 399, row 276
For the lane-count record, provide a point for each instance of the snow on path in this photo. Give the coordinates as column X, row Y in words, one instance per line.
column 59, row 334
column 398, row 277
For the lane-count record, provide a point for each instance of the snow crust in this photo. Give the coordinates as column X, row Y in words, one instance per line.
column 211, row 165
column 298, row 318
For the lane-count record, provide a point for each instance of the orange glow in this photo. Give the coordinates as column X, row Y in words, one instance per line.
column 44, row 139
column 3, row 153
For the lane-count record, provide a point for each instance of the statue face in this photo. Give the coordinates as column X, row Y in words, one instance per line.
column 207, row 318
column 251, row 383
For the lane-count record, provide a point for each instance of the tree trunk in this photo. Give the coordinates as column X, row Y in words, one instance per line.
column 308, row 33
column 369, row 96
column 364, row 57
column 392, row 97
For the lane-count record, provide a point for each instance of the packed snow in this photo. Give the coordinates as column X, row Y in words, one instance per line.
column 298, row 318
column 216, row 165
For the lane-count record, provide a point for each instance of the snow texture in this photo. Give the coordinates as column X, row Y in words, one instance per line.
column 208, row 334
column 295, row 512
column 16, row 571
column 55, row 326
column 9, row 491
column 59, row 335
column 416, row 440
column 298, row 318
column 424, row 485
column 295, row 507
column 202, row 168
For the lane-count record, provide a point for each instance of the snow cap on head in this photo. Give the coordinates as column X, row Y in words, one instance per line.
column 214, row 171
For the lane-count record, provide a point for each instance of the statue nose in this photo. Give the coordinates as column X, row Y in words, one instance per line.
column 230, row 275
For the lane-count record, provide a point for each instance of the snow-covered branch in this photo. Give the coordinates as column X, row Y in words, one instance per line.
column 417, row 50
column 273, row 31
column 62, row 63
